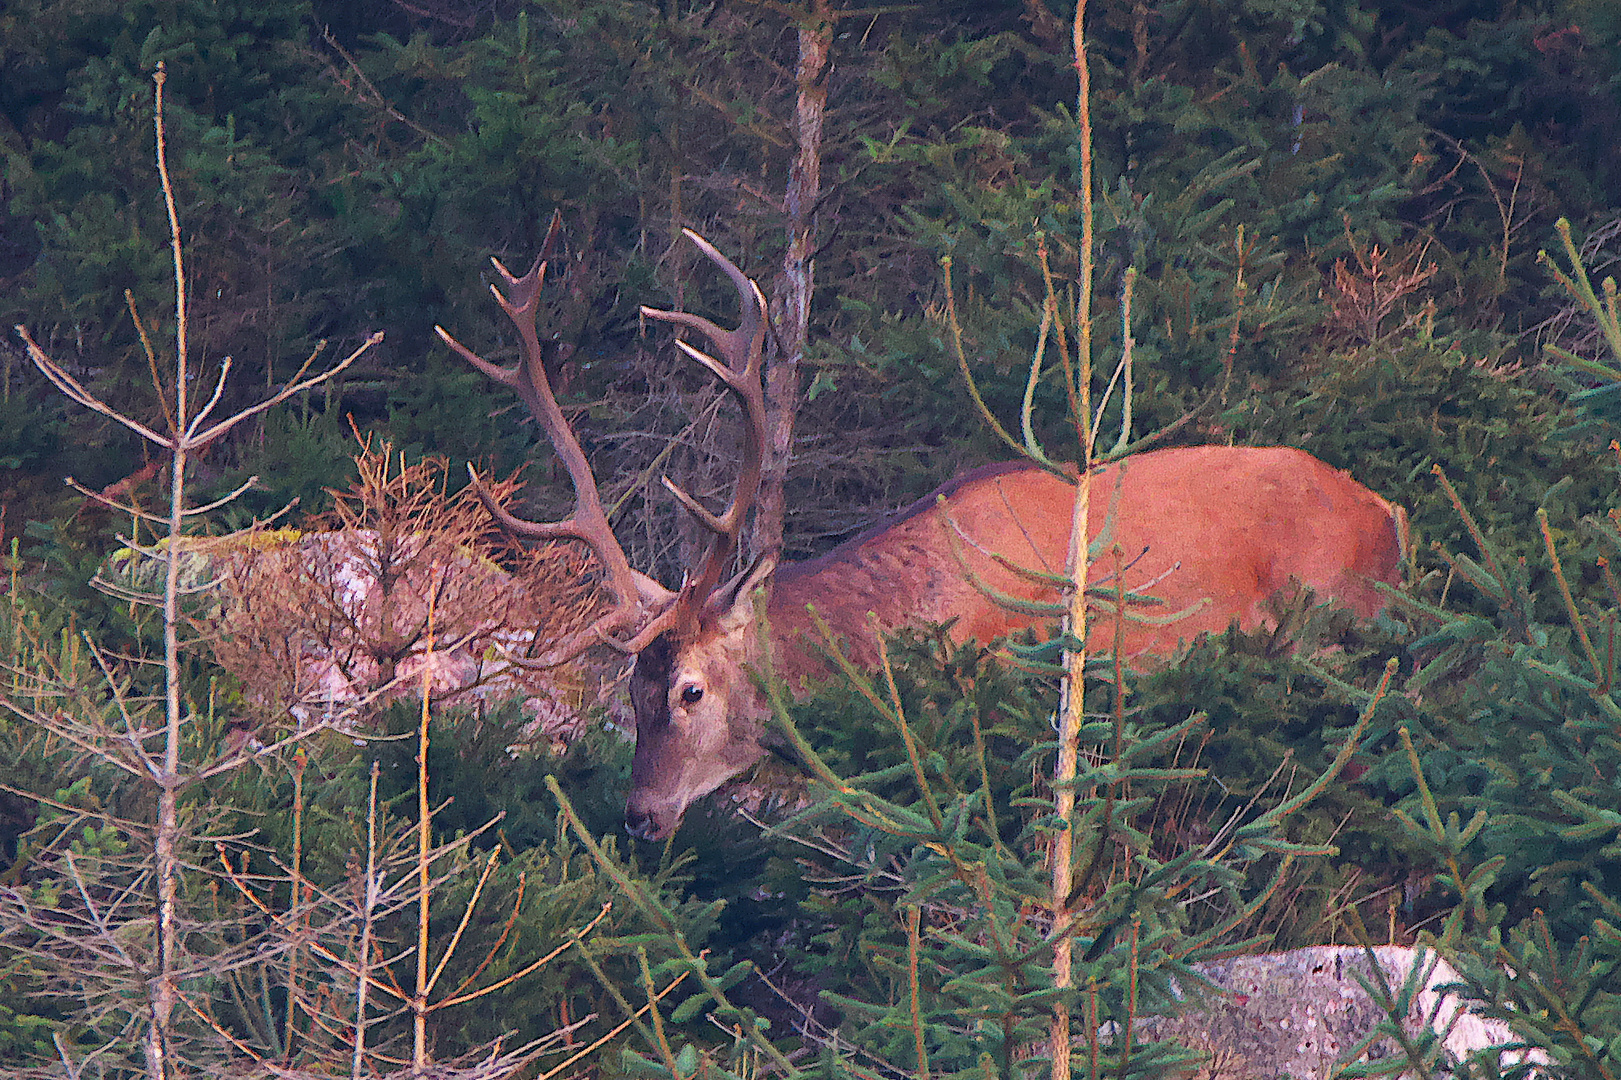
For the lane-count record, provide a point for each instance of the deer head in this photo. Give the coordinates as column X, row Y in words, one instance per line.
column 690, row 690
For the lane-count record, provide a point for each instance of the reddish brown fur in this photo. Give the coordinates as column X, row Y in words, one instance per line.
column 1217, row 529
column 1240, row 521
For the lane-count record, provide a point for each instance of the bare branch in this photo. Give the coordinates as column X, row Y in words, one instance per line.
column 77, row 392
column 297, row 386
column 213, row 400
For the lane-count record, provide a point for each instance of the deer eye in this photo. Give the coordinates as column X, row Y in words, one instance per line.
column 691, row 695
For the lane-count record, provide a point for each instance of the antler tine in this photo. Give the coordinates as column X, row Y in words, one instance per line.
column 742, row 349
column 635, row 594
column 521, row 308
column 508, row 377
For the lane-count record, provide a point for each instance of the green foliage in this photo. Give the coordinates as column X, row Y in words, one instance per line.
column 239, row 111
column 29, row 436
column 1514, row 719
column 309, row 812
column 334, row 184
column 543, row 887
column 489, row 786
column 455, row 413
column 300, row 454
column 1270, row 721
column 918, row 869
column 1591, row 381
column 959, row 703
column 1502, row 775
column 483, row 767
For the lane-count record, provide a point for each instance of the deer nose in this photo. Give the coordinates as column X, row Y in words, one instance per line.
column 640, row 824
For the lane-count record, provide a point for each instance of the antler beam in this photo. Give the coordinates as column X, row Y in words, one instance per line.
column 637, row 597
column 742, row 350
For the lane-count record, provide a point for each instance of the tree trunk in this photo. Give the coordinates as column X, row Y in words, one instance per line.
column 791, row 298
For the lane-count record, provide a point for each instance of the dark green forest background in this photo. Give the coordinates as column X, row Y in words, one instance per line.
column 1336, row 213
column 351, row 169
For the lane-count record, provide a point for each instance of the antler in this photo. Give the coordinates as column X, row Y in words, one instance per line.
column 642, row 607
column 637, row 597
column 742, row 350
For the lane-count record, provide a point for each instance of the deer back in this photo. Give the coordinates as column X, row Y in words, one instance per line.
column 1209, row 531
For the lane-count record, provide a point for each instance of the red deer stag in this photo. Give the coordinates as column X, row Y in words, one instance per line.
column 1218, row 529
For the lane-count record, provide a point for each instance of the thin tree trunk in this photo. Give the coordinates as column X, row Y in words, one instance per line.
column 161, row 993
column 1074, row 689
column 791, row 298
column 185, row 436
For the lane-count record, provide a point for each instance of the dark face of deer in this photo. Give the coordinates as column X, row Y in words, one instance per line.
column 699, row 715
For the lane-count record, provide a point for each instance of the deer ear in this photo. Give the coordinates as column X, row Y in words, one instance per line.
column 733, row 603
